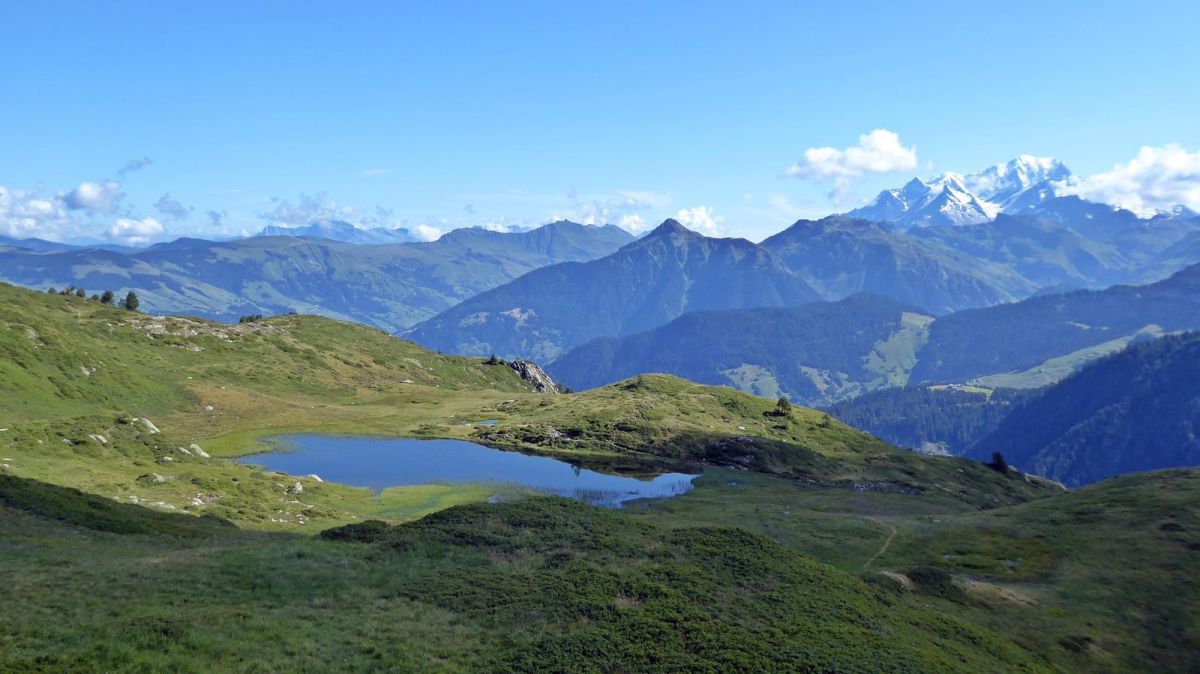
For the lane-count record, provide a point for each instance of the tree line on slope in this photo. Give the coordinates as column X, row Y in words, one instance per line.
column 130, row 301
column 937, row 419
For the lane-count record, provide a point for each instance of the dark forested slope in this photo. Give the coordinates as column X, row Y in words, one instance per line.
column 1133, row 411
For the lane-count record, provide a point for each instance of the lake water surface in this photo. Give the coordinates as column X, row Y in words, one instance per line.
column 382, row 463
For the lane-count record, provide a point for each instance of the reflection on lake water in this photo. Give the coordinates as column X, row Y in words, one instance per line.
column 382, row 463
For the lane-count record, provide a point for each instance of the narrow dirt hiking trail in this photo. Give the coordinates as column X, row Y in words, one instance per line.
column 883, row 548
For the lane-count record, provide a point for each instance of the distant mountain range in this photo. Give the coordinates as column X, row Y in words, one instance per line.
column 819, row 354
column 1039, row 340
column 1136, row 410
column 44, row 246
column 646, row 283
column 388, row 286
column 810, row 352
column 841, row 256
column 339, row 230
column 1010, row 235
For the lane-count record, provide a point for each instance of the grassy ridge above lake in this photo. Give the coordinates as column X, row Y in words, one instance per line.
column 73, row 367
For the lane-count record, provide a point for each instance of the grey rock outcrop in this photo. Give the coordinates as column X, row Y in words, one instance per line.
column 530, row 372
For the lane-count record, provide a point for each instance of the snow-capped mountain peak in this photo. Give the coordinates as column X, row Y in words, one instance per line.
column 954, row 199
column 1008, row 184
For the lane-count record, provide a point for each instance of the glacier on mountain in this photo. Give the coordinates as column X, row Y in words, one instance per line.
column 953, row 199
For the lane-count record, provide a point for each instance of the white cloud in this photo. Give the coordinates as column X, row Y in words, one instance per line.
column 1156, row 179
column 615, row 208
column 426, row 233
column 701, row 219
column 309, row 207
column 28, row 214
column 633, row 223
column 879, row 151
column 134, row 232
column 372, row 172
column 94, row 196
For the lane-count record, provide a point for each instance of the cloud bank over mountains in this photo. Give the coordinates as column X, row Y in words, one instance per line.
column 1157, row 179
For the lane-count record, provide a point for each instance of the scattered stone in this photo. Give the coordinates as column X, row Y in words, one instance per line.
column 296, row 489
column 87, row 371
column 197, row 451
column 166, row 459
column 314, row 476
column 152, row 478
column 208, row 408
column 406, row 381
column 98, row 438
column 150, row 427
column 68, row 442
column 184, row 450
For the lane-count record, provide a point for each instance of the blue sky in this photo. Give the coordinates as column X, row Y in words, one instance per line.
column 437, row 115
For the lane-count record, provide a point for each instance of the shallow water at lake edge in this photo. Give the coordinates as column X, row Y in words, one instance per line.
column 395, row 462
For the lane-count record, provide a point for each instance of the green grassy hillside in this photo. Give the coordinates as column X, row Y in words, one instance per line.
column 1110, row 571
column 78, row 374
column 544, row 584
column 805, row 546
